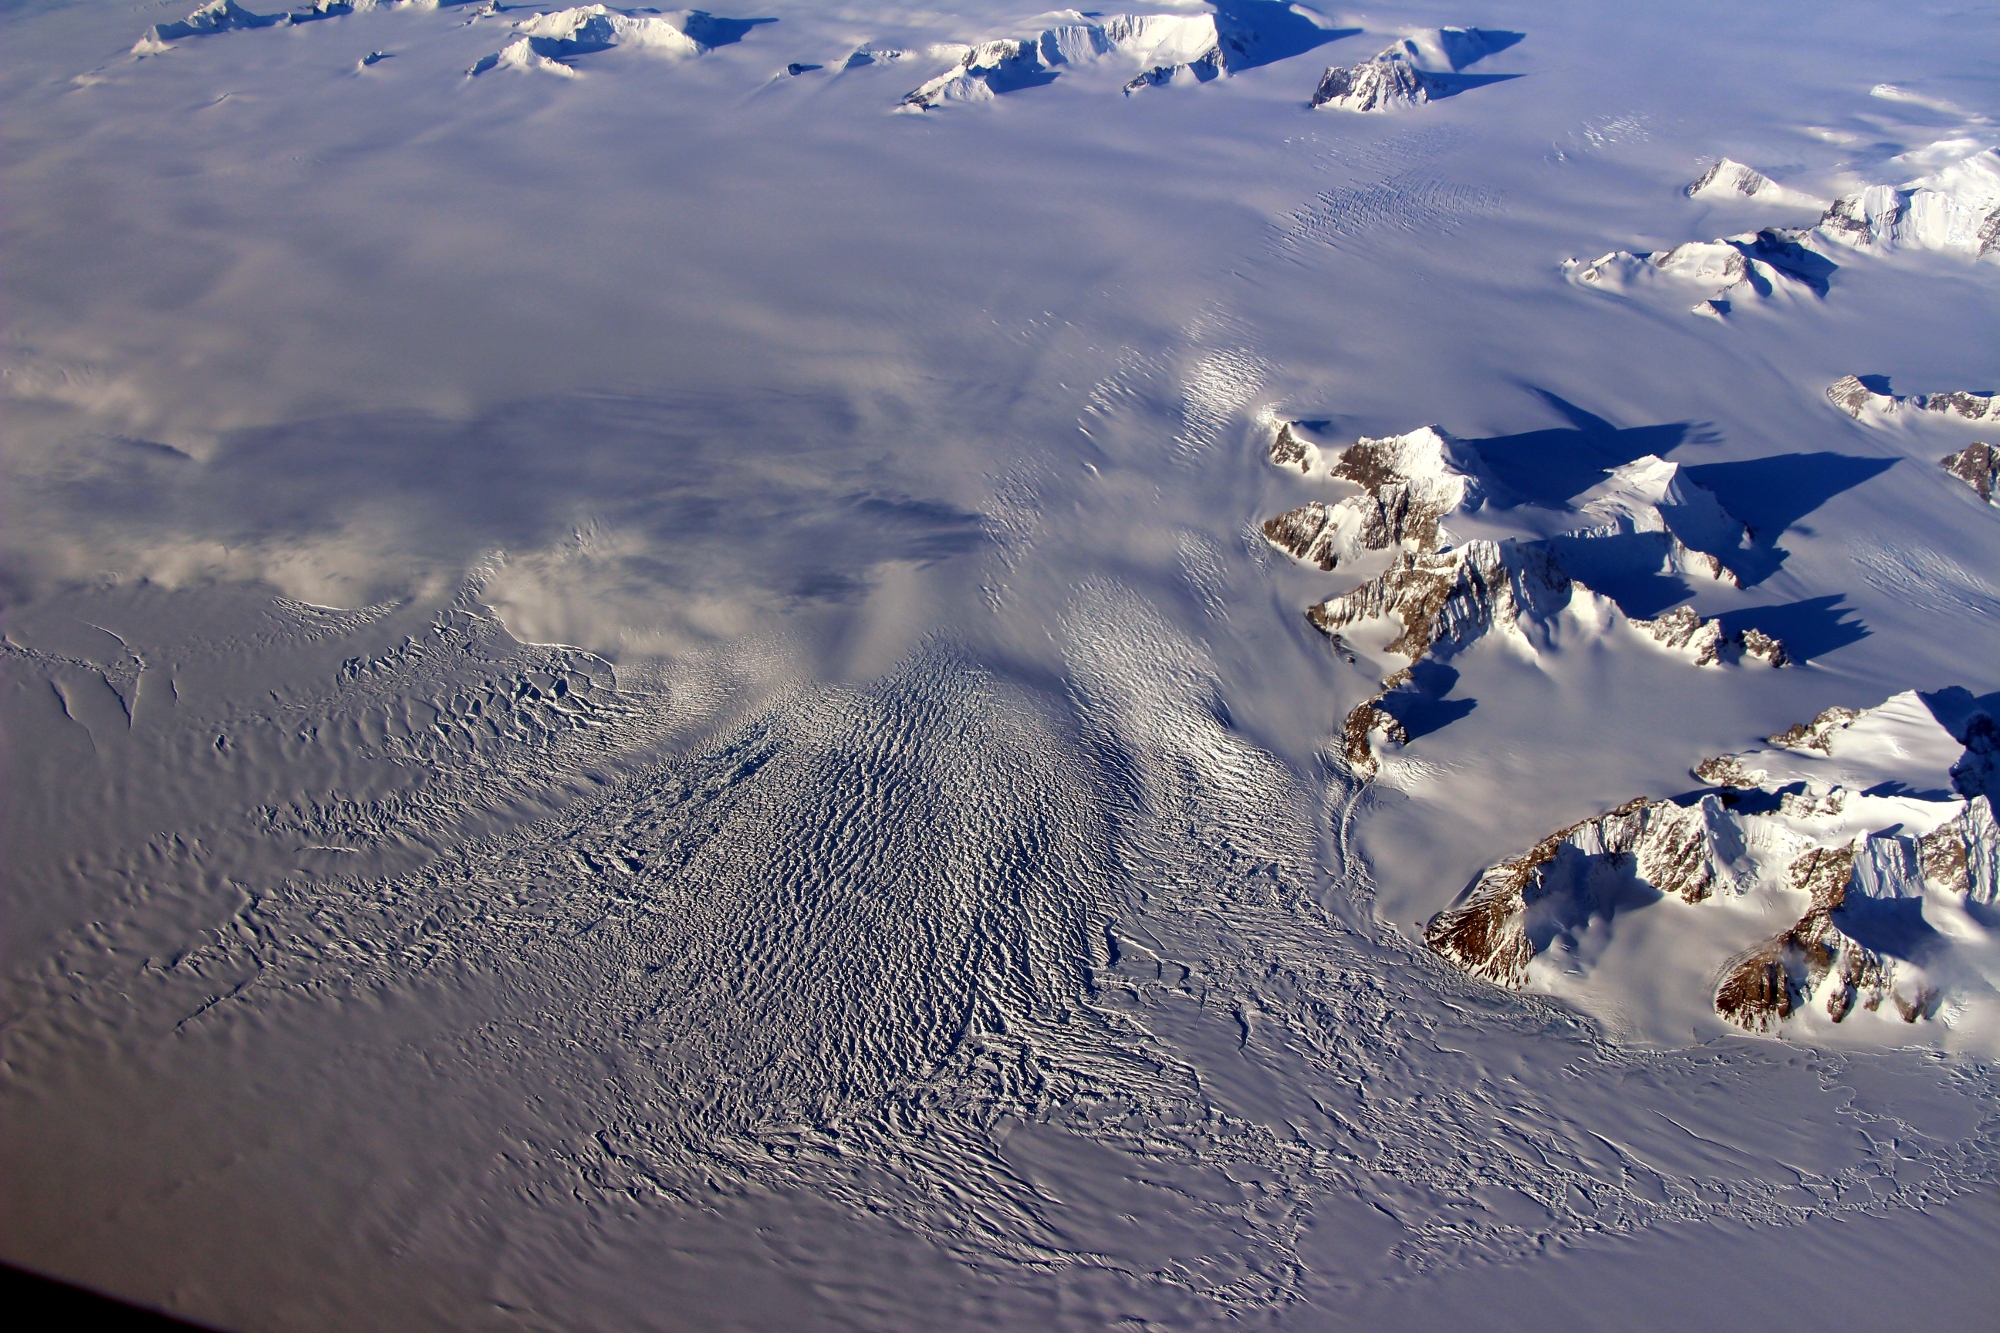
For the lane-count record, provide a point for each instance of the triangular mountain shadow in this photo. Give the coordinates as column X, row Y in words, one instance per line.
column 1262, row 32
column 1810, row 628
column 1421, row 705
column 1623, row 566
column 711, row 31
column 1548, row 467
column 1955, row 706
column 1771, row 494
column 1451, row 85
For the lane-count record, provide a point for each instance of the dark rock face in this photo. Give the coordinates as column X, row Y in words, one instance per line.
column 1513, row 909
column 1374, row 85
column 1818, row 733
column 1408, row 482
column 1853, row 397
column 1304, row 533
column 1289, row 451
column 1978, row 466
column 1706, row 640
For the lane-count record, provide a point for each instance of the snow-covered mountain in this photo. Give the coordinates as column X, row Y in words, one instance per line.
column 1730, row 180
column 547, row 42
column 1762, row 264
column 1408, row 484
column 666, row 691
column 223, row 16
column 1653, row 498
column 1418, row 68
column 1871, row 832
column 1437, row 598
column 1956, row 209
column 1165, row 47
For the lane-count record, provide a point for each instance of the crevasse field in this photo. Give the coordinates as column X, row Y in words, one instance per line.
column 858, row 667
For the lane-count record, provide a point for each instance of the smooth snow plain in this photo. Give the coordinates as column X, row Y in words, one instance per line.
column 649, row 695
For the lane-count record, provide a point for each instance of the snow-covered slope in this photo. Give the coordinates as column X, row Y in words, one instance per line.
column 1727, row 179
column 548, row 41
column 1956, row 209
column 1418, row 68
column 1437, row 598
column 663, row 694
column 1651, row 497
column 1874, row 832
column 1762, row 264
column 1165, row 48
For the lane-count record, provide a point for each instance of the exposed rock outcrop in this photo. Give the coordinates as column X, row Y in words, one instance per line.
column 1765, row 984
column 1409, row 483
column 1444, row 600
column 1862, row 866
column 1855, row 398
column 1818, row 733
column 1375, row 85
column 1708, row 643
column 1358, row 733
column 1441, row 597
column 1417, row 69
column 1584, row 870
column 1292, row 450
column 1978, row 466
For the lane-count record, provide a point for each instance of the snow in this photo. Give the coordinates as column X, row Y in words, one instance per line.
column 1881, row 805
column 659, row 699
column 1418, row 68
column 549, row 41
column 1164, row 48
column 1730, row 180
column 1956, row 209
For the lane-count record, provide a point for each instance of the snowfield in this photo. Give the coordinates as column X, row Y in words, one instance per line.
column 866, row 667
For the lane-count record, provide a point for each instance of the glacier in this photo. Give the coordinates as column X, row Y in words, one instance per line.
column 661, row 688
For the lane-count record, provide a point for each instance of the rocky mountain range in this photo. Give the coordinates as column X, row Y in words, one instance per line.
column 1437, row 597
column 1873, row 829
